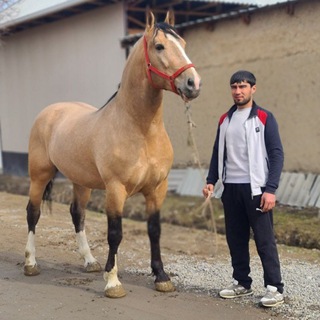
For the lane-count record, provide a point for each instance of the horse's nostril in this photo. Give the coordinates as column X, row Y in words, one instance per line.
column 190, row 82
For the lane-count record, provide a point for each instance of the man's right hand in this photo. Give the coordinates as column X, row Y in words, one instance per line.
column 208, row 190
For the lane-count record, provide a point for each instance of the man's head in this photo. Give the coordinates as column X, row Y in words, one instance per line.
column 243, row 86
column 243, row 76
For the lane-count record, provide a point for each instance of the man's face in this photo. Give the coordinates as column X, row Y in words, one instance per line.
column 242, row 94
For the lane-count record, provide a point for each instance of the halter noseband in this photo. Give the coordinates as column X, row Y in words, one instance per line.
column 151, row 68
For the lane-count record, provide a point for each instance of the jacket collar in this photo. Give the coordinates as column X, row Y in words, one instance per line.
column 253, row 111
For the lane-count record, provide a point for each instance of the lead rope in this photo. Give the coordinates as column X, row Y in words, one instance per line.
column 207, row 204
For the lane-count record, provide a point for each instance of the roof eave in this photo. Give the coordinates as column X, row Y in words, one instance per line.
column 42, row 13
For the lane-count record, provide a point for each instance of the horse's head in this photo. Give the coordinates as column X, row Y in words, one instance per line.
column 168, row 66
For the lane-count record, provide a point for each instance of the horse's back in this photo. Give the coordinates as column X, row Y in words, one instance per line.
column 58, row 111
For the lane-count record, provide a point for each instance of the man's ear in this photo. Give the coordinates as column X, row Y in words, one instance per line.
column 254, row 88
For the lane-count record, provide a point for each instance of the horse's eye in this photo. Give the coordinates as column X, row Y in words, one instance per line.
column 159, row 47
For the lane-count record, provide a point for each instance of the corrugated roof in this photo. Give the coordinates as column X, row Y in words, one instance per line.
column 29, row 13
column 25, row 10
column 245, row 7
column 259, row 3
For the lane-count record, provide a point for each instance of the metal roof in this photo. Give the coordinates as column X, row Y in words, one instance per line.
column 259, row 3
column 29, row 13
column 24, row 10
column 130, row 39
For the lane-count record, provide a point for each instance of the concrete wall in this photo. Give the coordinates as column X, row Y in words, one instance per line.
column 75, row 59
column 80, row 58
column 283, row 51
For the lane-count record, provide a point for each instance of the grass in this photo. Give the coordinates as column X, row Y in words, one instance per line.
column 297, row 227
column 293, row 226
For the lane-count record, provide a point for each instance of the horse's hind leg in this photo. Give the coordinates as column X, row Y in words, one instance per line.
column 81, row 197
column 36, row 192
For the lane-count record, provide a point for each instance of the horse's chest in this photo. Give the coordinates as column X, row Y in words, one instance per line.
column 150, row 171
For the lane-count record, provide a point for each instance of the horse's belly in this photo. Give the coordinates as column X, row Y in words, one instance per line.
column 81, row 174
column 75, row 162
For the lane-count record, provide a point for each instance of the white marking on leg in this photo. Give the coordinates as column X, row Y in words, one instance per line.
column 84, row 248
column 112, row 277
column 30, row 251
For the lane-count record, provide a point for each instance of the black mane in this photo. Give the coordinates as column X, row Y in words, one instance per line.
column 111, row 97
column 166, row 28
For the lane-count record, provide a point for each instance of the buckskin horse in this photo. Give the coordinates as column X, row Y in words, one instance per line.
column 122, row 148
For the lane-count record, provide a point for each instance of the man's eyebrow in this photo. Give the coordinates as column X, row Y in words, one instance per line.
column 239, row 85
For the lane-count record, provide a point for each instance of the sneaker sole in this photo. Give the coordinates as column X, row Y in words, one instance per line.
column 236, row 295
column 272, row 305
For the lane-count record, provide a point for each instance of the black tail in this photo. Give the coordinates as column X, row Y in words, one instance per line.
column 47, row 195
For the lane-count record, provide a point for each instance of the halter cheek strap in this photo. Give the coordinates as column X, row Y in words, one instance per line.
column 151, row 68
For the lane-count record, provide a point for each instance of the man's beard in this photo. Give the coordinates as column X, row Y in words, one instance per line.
column 242, row 103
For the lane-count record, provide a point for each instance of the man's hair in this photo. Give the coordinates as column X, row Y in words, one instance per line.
column 243, row 75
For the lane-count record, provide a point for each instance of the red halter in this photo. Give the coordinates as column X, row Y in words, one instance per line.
column 151, row 68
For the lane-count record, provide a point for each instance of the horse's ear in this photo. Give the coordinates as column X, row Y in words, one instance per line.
column 149, row 20
column 170, row 17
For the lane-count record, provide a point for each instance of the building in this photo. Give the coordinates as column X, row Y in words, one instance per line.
column 76, row 50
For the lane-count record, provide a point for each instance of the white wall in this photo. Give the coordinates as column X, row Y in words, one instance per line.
column 75, row 59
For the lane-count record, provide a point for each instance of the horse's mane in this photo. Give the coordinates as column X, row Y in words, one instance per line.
column 166, row 28
column 111, row 97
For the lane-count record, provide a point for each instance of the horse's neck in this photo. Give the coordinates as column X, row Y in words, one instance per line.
column 136, row 96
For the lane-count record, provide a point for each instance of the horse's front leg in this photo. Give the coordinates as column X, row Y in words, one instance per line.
column 153, row 202
column 114, row 287
column 114, row 209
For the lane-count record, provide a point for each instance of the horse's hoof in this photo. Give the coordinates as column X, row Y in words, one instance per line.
column 31, row 270
column 115, row 292
column 93, row 267
column 165, row 286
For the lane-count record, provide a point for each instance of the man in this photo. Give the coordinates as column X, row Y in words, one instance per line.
column 245, row 168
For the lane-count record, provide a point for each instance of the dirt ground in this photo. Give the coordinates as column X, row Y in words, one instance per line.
column 64, row 291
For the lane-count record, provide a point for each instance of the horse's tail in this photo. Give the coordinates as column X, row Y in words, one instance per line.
column 47, row 195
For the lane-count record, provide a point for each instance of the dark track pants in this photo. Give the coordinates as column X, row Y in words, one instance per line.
column 241, row 214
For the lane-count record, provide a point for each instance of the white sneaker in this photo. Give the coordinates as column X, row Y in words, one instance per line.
column 272, row 297
column 235, row 290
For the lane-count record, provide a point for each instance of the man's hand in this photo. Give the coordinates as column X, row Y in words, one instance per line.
column 268, row 201
column 208, row 190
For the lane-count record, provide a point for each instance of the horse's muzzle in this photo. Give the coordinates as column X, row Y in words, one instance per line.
column 188, row 84
column 190, row 90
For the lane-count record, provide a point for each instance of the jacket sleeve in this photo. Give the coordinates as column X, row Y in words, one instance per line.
column 213, row 174
column 275, row 153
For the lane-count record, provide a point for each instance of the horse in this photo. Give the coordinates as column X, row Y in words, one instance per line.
column 122, row 148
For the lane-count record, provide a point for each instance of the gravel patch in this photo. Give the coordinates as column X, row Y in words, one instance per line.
column 301, row 279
